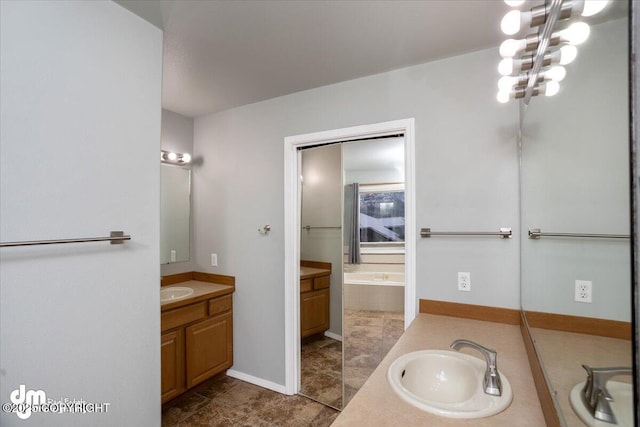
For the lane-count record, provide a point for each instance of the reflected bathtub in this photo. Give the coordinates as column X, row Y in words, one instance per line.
column 373, row 278
column 379, row 291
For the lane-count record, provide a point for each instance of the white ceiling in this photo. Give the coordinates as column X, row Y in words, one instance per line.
column 223, row 54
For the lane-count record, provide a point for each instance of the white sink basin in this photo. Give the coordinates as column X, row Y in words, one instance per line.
column 446, row 383
column 174, row 293
column 621, row 405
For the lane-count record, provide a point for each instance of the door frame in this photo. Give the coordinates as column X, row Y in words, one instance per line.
column 292, row 228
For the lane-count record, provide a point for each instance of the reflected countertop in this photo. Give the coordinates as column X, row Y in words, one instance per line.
column 310, row 272
column 377, row 404
column 201, row 291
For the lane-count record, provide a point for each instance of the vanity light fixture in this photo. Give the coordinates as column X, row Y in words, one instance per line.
column 556, row 73
column 174, row 158
column 530, row 64
column 515, row 20
column 549, row 88
column 565, row 55
column 577, row 33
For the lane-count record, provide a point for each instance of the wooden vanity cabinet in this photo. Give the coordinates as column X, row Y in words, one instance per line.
column 172, row 363
column 314, row 305
column 196, row 344
column 209, row 348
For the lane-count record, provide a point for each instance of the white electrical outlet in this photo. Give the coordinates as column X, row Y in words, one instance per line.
column 173, row 255
column 464, row 281
column 583, row 291
column 214, row 260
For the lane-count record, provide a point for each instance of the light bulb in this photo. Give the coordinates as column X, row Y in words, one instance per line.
column 567, row 54
column 510, row 47
column 503, row 96
column 186, row 158
column 556, row 73
column 510, row 24
column 507, row 83
column 514, row 3
column 172, row 156
column 505, row 67
column 592, row 7
column 551, row 88
column 577, row 33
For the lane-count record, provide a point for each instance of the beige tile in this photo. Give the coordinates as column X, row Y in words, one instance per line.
column 182, row 407
column 214, row 415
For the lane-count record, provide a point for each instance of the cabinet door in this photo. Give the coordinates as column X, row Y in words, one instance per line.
column 314, row 312
column 172, row 364
column 209, row 348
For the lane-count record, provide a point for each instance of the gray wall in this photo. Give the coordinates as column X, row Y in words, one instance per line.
column 80, row 94
column 466, row 179
column 575, row 178
column 177, row 136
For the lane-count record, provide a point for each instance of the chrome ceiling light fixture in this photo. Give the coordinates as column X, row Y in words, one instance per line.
column 533, row 65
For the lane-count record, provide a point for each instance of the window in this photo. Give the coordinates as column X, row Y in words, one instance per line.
column 382, row 215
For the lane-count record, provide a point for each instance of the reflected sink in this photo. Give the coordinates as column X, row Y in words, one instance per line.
column 621, row 405
column 446, row 383
column 174, row 293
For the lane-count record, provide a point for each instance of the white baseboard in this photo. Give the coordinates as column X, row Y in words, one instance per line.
column 332, row 335
column 257, row 381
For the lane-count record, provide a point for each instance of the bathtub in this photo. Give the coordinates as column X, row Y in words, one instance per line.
column 378, row 291
column 373, row 278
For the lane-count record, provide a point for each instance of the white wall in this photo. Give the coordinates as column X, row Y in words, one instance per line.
column 177, row 132
column 322, row 207
column 466, row 179
column 80, row 93
column 575, row 178
column 177, row 136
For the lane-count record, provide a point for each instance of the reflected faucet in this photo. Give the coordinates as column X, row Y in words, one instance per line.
column 595, row 396
column 492, row 383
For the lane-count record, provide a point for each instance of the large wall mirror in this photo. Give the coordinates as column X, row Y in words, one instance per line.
column 575, row 221
column 352, row 263
column 175, row 213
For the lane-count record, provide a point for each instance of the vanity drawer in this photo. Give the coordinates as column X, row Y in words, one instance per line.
column 183, row 315
column 306, row 285
column 220, row 305
column 321, row 282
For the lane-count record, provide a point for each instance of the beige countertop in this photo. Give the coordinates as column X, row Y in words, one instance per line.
column 563, row 354
column 201, row 291
column 377, row 405
column 310, row 272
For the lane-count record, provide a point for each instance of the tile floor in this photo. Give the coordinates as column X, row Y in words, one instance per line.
column 368, row 337
column 226, row 401
column 321, row 370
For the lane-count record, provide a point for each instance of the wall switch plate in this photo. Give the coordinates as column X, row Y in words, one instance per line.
column 214, row 260
column 583, row 291
column 464, row 281
column 173, row 255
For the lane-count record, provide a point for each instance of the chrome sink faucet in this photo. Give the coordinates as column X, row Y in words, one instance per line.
column 492, row 383
column 595, row 396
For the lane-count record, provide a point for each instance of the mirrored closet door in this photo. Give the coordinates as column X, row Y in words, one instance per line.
column 351, row 263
